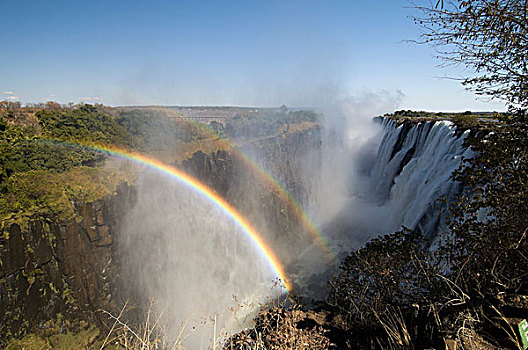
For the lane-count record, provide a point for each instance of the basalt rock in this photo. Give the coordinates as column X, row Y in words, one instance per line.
column 49, row 267
column 238, row 177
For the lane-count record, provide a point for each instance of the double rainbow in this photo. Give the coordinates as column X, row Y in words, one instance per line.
column 205, row 193
column 226, row 207
column 318, row 238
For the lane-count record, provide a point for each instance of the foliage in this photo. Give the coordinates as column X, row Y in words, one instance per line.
column 41, row 171
column 61, row 335
column 465, row 121
column 26, row 155
column 51, row 194
column 489, row 224
column 252, row 125
column 84, row 125
column 154, row 130
column 22, row 150
column 391, row 287
column 490, row 37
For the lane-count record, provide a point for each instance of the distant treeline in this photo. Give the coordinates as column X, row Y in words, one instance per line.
column 251, row 125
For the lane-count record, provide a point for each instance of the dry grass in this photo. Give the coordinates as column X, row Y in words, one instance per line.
column 278, row 328
column 149, row 335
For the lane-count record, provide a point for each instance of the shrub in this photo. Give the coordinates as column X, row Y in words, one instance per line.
column 279, row 328
column 391, row 287
column 465, row 121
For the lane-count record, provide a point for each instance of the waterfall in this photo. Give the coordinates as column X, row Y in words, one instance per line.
column 407, row 174
column 203, row 273
column 413, row 170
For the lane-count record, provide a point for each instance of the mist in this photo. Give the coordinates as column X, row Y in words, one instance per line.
column 205, row 275
column 341, row 201
column 201, row 271
column 349, row 144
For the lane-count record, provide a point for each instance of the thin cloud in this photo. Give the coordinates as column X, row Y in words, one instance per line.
column 9, row 93
column 90, row 99
column 12, row 98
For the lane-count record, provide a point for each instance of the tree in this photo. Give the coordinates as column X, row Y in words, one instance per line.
column 490, row 37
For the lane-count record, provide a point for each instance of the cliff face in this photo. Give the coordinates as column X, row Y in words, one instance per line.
column 69, row 267
column 291, row 158
column 254, row 192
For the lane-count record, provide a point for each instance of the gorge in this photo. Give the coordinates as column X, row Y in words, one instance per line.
column 157, row 239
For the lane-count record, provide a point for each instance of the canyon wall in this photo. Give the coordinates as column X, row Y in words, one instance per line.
column 75, row 267
column 69, row 268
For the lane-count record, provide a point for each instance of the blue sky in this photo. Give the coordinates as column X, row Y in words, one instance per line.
column 246, row 53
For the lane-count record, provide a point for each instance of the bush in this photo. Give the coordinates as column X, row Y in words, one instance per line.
column 84, row 125
column 465, row 121
column 279, row 328
column 391, row 287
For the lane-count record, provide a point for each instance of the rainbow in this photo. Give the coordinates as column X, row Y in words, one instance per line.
column 206, row 193
column 318, row 237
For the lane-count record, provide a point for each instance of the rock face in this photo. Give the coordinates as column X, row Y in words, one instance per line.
column 291, row 158
column 49, row 267
column 238, row 176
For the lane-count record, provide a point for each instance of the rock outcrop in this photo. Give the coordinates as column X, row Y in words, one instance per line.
column 73, row 268
column 50, row 267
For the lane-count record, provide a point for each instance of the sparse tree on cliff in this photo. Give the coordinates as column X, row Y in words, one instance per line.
column 490, row 37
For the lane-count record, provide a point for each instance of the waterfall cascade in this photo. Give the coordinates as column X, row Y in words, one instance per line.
column 413, row 170
column 407, row 175
column 190, row 257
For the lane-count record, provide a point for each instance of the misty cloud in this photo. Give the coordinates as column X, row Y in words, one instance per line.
column 92, row 99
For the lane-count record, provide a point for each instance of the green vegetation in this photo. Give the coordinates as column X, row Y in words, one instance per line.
column 50, row 194
column 251, row 125
column 465, row 121
column 155, row 130
column 43, row 170
column 21, row 150
column 61, row 335
column 85, row 125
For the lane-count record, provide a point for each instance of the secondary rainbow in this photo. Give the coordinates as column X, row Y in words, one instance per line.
column 319, row 239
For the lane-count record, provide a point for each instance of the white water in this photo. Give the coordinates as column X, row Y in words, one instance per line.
column 413, row 194
column 397, row 185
